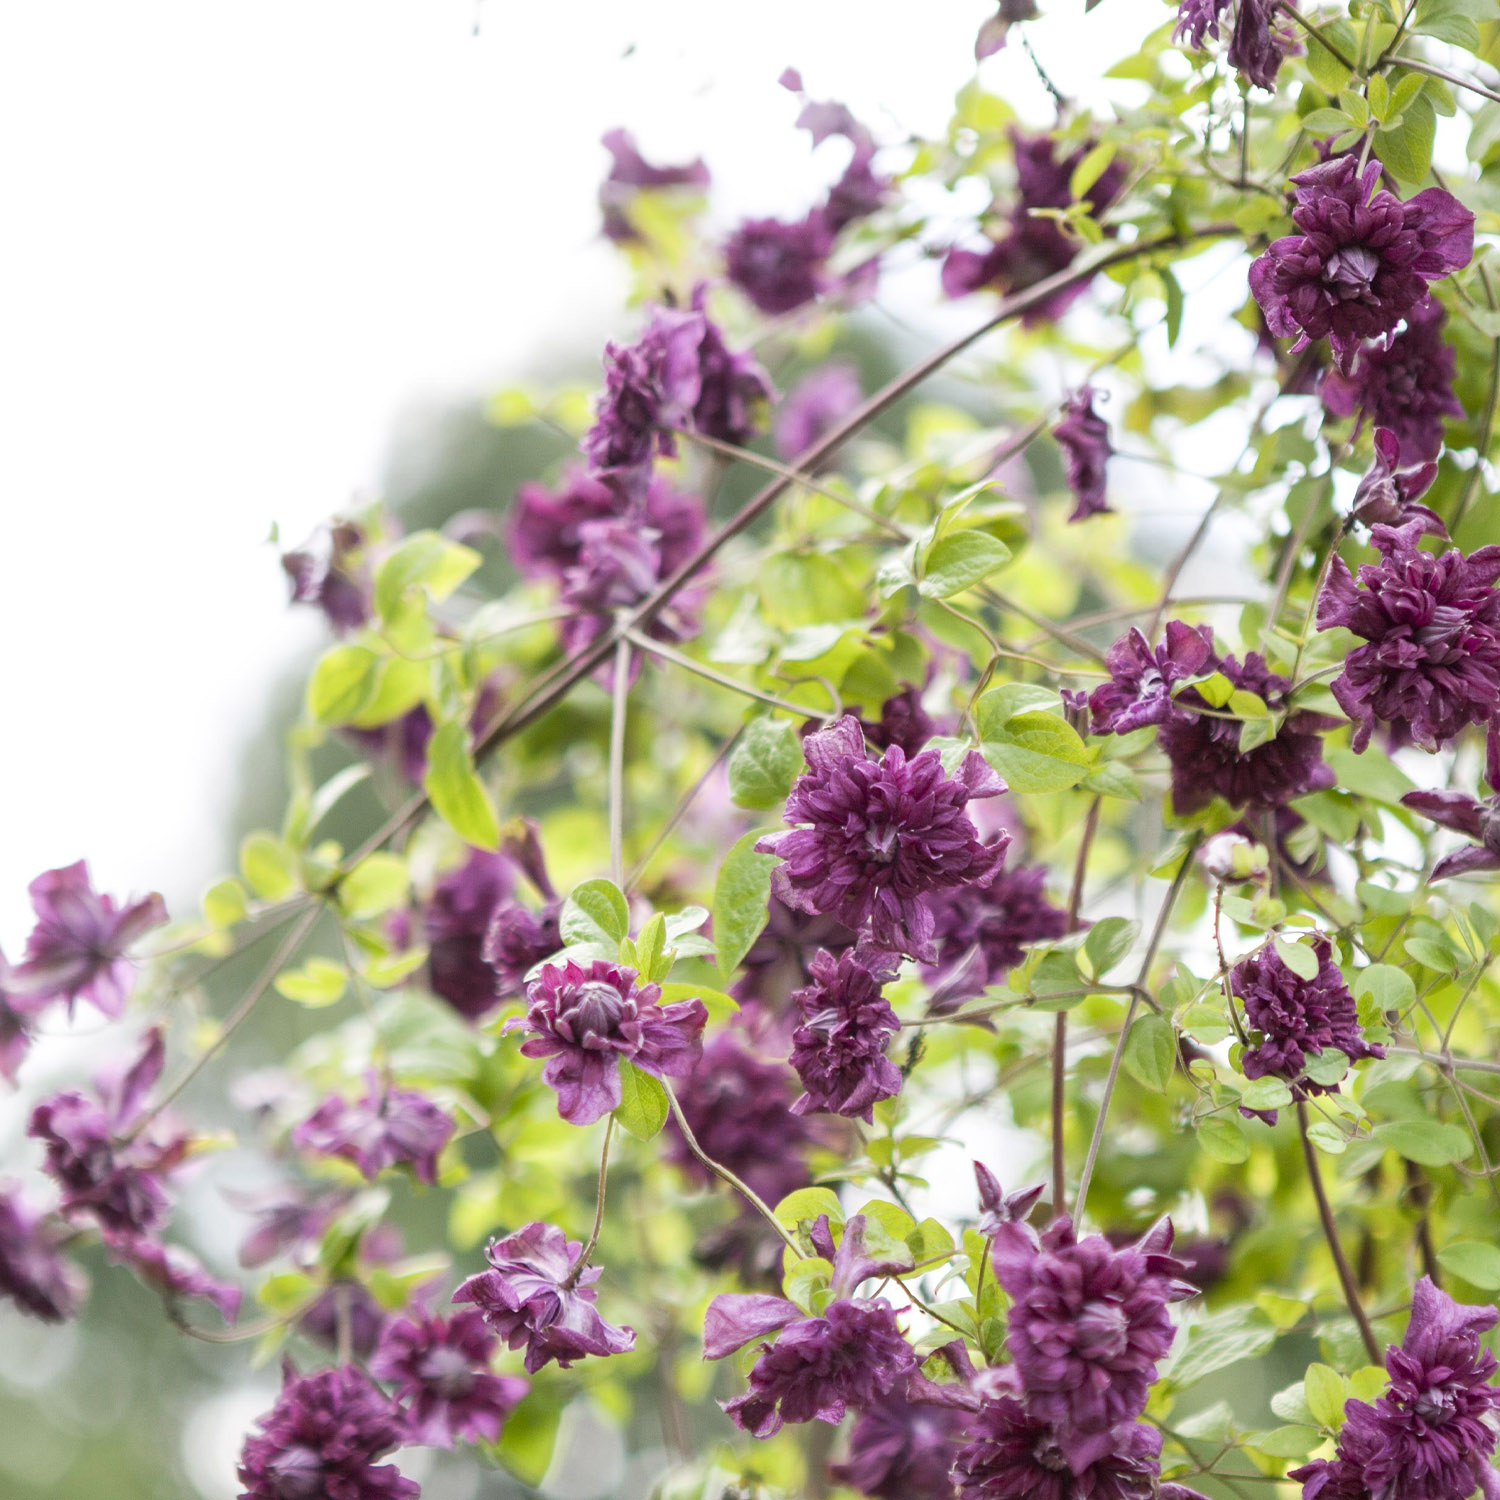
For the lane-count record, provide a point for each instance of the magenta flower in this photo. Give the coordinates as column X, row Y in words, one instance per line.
column 629, row 173
column 1257, row 45
column 1139, row 691
column 900, row 1451
column 532, row 1296
column 814, row 406
column 584, row 1020
column 779, row 266
column 838, row 1049
column 108, row 1163
column 332, row 572
column 1406, row 385
column 346, row 1308
column 1433, row 1432
column 903, row 721
column 18, row 1015
column 440, row 1368
column 33, row 1272
column 519, row 938
column 456, row 919
column 172, row 1271
column 1362, row 258
column 1084, row 438
column 997, row 1207
column 880, row 835
column 1089, row 1325
column 1388, row 495
column 1295, row 1018
column 78, row 947
column 1432, row 662
column 1476, row 818
column 321, row 1441
column 385, row 1127
column 620, row 563
column 853, row 1355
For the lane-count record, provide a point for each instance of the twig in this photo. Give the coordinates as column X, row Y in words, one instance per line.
column 581, row 1264
column 618, row 701
column 1060, row 1025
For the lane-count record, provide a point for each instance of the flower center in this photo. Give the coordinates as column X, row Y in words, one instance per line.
column 1102, row 1327
column 882, row 843
column 296, row 1474
column 448, row 1371
column 1049, row 1456
column 1351, row 271
column 594, row 1009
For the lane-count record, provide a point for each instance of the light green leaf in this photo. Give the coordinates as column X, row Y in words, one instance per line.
column 804, row 1279
column 809, row 1203
column 456, row 792
column 643, row 1106
column 269, row 867
column 378, row 883
column 958, row 561
column 1037, row 752
column 742, row 894
column 426, row 559
column 1430, row 1143
column 1389, row 987
column 1323, row 1390
column 1109, row 940
column 1298, row 957
column 596, row 912
column 1224, row 1139
column 316, row 984
column 1476, row 1261
column 224, row 903
column 341, row 683
column 1149, row 1051
column 764, row 764
column 1218, row 1341
column 1266, row 1093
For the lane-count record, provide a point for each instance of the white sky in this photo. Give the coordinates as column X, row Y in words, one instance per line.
column 244, row 235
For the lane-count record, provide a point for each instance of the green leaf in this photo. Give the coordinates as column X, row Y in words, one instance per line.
column 804, row 1279
column 1406, row 149
column 1266, row 1093
column 224, row 903
column 1220, row 1340
column 529, row 1437
column 1323, row 1390
column 1389, row 987
column 269, row 867
column 1475, row 1261
column 1430, row 1143
column 1431, row 955
column 1298, row 957
column 341, row 683
column 1451, row 21
column 1037, row 752
column 649, row 946
column 428, row 560
column 1090, row 170
column 595, row 912
column 1290, row 1404
column 997, row 707
column 387, row 972
column 1372, row 774
column 378, row 883
column 316, row 984
column 456, row 792
column 1109, row 940
column 643, row 1106
column 719, row 1005
column 1285, row 1442
column 1149, row 1052
column 807, row 1204
column 742, row 894
column 1326, row 1067
column 928, row 1241
column 1224, row 1139
column 1327, row 1137
column 764, row 764
column 958, row 561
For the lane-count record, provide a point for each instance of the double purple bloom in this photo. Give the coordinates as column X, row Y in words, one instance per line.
column 838, row 1048
column 385, row 1127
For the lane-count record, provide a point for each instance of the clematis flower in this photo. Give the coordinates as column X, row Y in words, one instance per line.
column 1477, row 818
column 1433, row 1432
column 1139, row 691
column 173, row 1271
column 456, row 919
column 620, row 563
column 997, row 1207
column 780, row 960
column 346, row 1309
column 531, row 1296
column 77, row 950
column 332, row 572
column 1084, row 438
column 109, row 1165
column 880, row 835
column 901, row 1451
column 1362, row 259
column 629, row 174
column 1432, row 662
column 584, row 1020
column 440, row 1368
column 518, row 939
column 321, row 1441
column 1388, row 495
column 838, row 1049
column 1405, row 385
column 903, row 721
column 1259, row 43
column 777, row 265
column 853, row 1355
column 386, row 1127
column 34, row 1274
column 17, row 1018
column 285, row 1220
column 814, row 406
column 1296, row 1018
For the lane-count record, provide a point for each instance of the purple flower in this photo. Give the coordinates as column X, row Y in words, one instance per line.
column 1206, row 758
column 1035, row 247
column 814, row 406
column 992, row 34
column 1406, row 385
column 33, row 1272
column 17, row 1016
column 441, row 1370
column 77, row 948
column 838, row 1049
column 385, row 1127
column 1433, row 1431
column 104, row 1167
column 780, row 961
column 286, row 1219
column 903, row 721
column 518, row 939
column 997, row 1207
column 1015, row 1455
column 1388, row 495
column 330, row 571
column 1296, row 1017
column 456, row 918
column 853, row 1355
column 1257, row 45
column 629, row 173
column 532, row 1296
column 172, row 1271
column 1432, row 662
column 620, row 563
column 1362, row 258
column 879, row 835
column 899, row 1451
column 1084, row 438
column 345, row 1309
column 779, row 266
column 321, row 1440
column 1089, row 1324
column 1475, row 818
column 678, row 373
column 1139, row 691
column 584, row 1020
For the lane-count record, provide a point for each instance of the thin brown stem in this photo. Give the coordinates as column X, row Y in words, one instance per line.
column 586, row 1254
column 618, row 701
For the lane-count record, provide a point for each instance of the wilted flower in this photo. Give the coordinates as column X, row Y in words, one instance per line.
column 532, row 1296
column 1388, row 495
column 1476, row 818
column 33, row 1272
column 1406, row 385
column 1296, row 1018
column 456, row 918
column 441, row 1370
column 629, row 173
column 1084, row 438
column 880, row 835
column 853, row 1355
column 385, row 1127
column 779, row 266
column 332, row 572
column 1362, row 259
column 1258, row 44
column 1432, row 662
column 901, row 1451
column 814, row 406
column 1139, row 691
column 78, row 946
column 838, row 1049
column 585, row 1020
column 322, row 1439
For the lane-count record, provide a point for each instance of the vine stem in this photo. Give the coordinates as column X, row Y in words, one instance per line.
column 1331, row 1234
column 725, row 1175
column 619, row 698
column 586, row 1254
